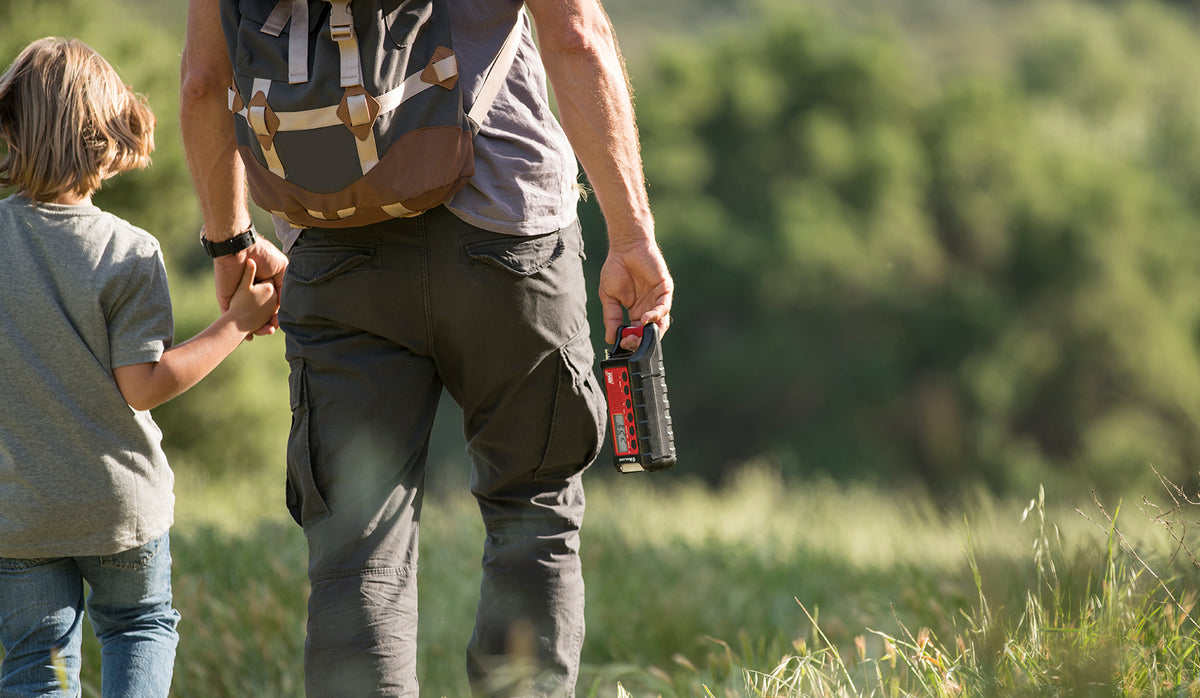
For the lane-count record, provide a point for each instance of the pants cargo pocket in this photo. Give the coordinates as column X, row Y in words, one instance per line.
column 578, row 419
column 304, row 500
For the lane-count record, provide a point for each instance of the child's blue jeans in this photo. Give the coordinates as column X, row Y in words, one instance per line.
column 41, row 628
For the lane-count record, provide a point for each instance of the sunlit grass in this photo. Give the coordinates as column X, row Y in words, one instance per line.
column 1132, row 633
column 816, row 589
column 759, row 589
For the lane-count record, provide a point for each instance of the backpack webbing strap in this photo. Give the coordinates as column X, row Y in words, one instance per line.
column 355, row 109
column 497, row 71
column 297, row 12
column 264, row 122
column 341, row 30
column 388, row 101
column 328, row 116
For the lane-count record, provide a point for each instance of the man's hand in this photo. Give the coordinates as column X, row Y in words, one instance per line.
column 585, row 68
column 270, row 264
column 636, row 278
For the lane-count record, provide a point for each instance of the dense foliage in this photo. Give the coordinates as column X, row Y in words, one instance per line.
column 981, row 270
column 949, row 241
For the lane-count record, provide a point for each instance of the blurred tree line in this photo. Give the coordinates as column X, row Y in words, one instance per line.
column 949, row 241
column 897, row 258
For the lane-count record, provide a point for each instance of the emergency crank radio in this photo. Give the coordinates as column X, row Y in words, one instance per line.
column 639, row 415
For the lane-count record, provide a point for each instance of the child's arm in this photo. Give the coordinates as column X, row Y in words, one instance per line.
column 149, row 385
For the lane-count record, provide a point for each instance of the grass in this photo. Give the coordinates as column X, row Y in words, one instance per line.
column 760, row 589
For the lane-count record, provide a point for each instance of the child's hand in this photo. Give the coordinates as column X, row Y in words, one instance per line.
column 253, row 304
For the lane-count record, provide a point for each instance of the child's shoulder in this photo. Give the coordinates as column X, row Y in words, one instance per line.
column 130, row 231
column 126, row 241
column 84, row 226
column 97, row 221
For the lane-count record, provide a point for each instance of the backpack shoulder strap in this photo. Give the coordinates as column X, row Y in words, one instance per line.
column 498, row 71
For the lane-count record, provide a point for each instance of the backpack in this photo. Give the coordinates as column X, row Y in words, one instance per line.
column 350, row 113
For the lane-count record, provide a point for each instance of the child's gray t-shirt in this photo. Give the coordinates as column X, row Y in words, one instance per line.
column 81, row 472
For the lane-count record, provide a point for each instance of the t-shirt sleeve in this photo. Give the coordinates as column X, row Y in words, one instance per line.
column 140, row 323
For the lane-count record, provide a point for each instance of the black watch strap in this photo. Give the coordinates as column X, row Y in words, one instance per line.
column 233, row 245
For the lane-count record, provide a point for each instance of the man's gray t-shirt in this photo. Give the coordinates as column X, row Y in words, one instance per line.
column 81, row 472
column 525, row 170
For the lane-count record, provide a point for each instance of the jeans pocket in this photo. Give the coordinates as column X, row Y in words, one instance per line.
column 304, row 500
column 578, row 419
column 19, row 564
column 316, row 264
column 523, row 256
column 138, row 558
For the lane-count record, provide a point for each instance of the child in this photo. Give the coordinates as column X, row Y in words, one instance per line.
column 85, row 350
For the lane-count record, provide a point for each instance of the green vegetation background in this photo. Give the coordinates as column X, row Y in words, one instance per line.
column 945, row 246
column 949, row 242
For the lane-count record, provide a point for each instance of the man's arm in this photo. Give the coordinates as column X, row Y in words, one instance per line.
column 595, row 107
column 211, row 149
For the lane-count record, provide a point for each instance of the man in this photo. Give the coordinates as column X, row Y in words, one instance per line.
column 483, row 297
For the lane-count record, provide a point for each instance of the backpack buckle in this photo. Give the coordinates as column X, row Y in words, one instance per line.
column 341, row 22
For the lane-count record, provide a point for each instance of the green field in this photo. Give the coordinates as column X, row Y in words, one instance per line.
column 694, row 592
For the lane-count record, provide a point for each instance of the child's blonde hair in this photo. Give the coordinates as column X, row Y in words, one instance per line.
column 69, row 121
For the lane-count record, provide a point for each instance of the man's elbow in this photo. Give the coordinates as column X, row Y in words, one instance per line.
column 200, row 81
column 583, row 36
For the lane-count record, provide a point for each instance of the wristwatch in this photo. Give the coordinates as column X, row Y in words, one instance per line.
column 233, row 245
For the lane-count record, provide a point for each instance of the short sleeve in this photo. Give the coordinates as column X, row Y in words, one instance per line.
column 140, row 323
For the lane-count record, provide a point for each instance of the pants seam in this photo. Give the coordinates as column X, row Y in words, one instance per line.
column 426, row 301
column 365, row 572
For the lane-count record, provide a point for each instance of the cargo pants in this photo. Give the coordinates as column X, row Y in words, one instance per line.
column 378, row 321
